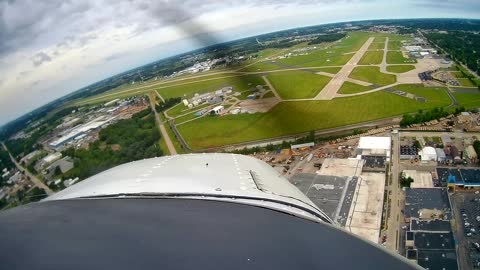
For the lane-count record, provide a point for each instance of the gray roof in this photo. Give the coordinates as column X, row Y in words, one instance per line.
column 436, row 225
column 438, row 260
column 434, row 240
column 425, row 198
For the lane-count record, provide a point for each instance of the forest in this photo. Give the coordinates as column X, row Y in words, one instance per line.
column 125, row 141
column 461, row 46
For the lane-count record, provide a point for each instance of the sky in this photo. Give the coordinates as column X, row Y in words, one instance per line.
column 49, row 48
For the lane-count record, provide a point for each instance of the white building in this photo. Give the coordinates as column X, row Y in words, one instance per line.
column 428, row 154
column 217, row 110
column 375, row 146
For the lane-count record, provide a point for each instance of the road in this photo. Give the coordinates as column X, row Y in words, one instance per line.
column 332, row 87
column 394, row 219
column 37, row 182
column 163, row 131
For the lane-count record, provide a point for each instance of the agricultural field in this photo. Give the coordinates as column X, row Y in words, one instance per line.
column 400, row 68
column 396, row 57
column 371, row 58
column 372, row 75
column 352, row 88
column 283, row 119
column 297, row 84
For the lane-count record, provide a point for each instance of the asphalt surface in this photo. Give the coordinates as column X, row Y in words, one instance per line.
column 37, row 182
column 163, row 131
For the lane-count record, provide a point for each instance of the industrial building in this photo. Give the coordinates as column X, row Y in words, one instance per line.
column 408, row 152
column 464, row 178
column 377, row 146
column 420, row 179
column 427, row 204
column 80, row 130
column 350, row 194
column 428, row 153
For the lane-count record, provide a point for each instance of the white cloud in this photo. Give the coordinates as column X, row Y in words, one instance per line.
column 51, row 48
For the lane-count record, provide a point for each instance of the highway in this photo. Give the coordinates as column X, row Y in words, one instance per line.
column 37, row 182
column 163, row 131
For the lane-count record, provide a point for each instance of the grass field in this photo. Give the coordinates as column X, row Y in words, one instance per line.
column 352, row 88
column 371, row 58
column 239, row 83
column 394, row 44
column 468, row 100
column 372, row 75
column 295, row 117
column 377, row 45
column 400, row 69
column 466, row 82
column 436, row 96
column 269, row 94
column 261, row 66
column 297, row 84
column 397, row 58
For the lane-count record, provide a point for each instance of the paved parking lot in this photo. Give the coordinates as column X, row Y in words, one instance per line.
column 466, row 208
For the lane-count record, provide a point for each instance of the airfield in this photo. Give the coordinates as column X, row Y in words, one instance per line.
column 362, row 77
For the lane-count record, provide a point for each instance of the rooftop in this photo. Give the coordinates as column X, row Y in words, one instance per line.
column 374, row 143
column 434, row 240
column 437, row 259
column 341, row 167
column 420, row 199
column 436, row 225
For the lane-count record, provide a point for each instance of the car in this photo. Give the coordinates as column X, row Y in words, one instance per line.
column 469, row 234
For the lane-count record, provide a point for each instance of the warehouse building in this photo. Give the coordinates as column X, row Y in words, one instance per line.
column 408, row 152
column 420, row 179
column 426, row 204
column 428, row 154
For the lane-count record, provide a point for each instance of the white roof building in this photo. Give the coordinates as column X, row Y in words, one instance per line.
column 375, row 145
column 428, row 154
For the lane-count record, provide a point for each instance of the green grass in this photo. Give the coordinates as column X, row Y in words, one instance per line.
column 466, row 82
column 394, row 44
column 239, row 83
column 296, row 117
column 372, row 75
column 400, row 69
column 457, row 74
column 260, row 66
column 269, row 95
column 352, row 88
column 377, row 45
column 332, row 70
column 297, row 84
column 397, row 58
column 468, row 100
column 436, row 96
column 371, row 58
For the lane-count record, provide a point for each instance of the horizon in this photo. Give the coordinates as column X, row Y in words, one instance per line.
column 37, row 93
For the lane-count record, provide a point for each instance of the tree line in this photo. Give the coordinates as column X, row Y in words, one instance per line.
column 125, row 141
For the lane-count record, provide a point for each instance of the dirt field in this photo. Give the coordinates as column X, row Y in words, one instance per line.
column 259, row 105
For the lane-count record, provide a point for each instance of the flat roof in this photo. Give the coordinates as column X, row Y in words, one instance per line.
column 341, row 167
column 365, row 216
column 436, row 225
column 420, row 179
column 434, row 240
column 437, row 259
column 419, row 199
column 374, row 143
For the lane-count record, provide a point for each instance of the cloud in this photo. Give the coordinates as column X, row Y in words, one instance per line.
column 40, row 58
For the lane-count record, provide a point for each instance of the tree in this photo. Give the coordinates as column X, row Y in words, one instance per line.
column 406, row 181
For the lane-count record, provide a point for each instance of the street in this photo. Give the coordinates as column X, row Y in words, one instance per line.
column 37, row 182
